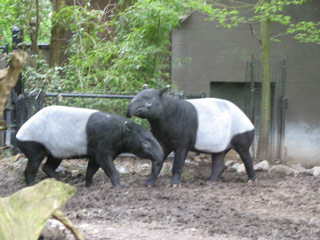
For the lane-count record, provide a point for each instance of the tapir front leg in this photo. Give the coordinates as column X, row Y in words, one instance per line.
column 92, row 168
column 178, row 164
column 217, row 165
column 105, row 160
column 155, row 171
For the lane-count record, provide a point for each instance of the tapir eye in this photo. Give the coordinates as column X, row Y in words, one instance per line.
column 146, row 144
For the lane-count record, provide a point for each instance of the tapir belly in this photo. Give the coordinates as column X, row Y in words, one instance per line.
column 218, row 122
column 62, row 132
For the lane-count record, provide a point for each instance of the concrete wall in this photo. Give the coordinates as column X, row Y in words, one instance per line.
column 219, row 54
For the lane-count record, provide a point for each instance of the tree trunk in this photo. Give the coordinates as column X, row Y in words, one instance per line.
column 265, row 108
column 34, row 24
column 57, row 34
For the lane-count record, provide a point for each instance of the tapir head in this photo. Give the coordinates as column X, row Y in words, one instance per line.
column 147, row 103
column 141, row 142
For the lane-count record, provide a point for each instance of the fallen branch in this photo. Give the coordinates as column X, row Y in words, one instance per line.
column 24, row 214
column 60, row 216
column 8, row 80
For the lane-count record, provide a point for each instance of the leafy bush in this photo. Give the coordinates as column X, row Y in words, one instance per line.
column 116, row 56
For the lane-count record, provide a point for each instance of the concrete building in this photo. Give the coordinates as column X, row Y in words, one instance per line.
column 217, row 61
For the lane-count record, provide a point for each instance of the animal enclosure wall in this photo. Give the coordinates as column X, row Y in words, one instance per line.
column 213, row 55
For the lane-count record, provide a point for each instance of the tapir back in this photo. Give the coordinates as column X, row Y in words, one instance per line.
column 218, row 122
column 62, row 130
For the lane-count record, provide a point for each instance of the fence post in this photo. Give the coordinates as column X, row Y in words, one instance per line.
column 17, row 39
column 283, row 109
column 10, row 113
column 252, row 97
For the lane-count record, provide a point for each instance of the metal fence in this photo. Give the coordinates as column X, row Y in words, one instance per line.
column 278, row 104
column 3, row 64
column 27, row 104
column 21, row 106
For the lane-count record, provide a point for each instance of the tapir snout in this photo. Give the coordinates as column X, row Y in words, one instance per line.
column 136, row 109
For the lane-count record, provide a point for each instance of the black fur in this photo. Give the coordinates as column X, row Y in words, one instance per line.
column 174, row 123
column 107, row 136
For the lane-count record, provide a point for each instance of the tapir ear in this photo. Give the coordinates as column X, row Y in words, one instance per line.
column 163, row 90
column 145, row 86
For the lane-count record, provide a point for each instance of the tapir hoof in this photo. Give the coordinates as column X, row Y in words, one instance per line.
column 149, row 182
column 174, row 185
column 213, row 182
column 117, row 187
column 88, row 184
column 250, row 181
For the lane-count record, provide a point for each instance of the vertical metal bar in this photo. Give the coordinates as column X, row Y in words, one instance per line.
column 3, row 134
column 283, row 109
column 252, row 93
column 10, row 113
column 252, row 89
column 17, row 39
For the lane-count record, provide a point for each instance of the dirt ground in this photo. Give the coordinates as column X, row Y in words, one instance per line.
column 273, row 207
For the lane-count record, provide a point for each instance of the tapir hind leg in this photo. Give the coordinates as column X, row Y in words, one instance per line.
column 248, row 163
column 217, row 165
column 241, row 143
column 35, row 152
column 51, row 165
column 156, row 169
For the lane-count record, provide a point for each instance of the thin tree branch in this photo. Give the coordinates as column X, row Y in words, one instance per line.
column 279, row 34
column 253, row 33
column 241, row 4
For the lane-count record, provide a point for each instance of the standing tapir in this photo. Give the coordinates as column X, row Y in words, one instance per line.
column 208, row 125
column 66, row 132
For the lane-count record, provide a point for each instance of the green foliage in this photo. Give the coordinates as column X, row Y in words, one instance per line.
column 306, row 32
column 9, row 15
column 38, row 75
column 117, row 56
column 124, row 53
column 21, row 14
column 132, row 47
column 232, row 13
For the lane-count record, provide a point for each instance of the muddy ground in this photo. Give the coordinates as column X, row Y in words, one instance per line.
column 274, row 207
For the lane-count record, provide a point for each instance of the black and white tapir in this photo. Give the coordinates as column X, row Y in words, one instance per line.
column 208, row 125
column 60, row 132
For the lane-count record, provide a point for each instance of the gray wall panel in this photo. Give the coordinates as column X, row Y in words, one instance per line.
column 220, row 55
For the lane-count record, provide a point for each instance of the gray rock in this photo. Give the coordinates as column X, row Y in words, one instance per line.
column 229, row 163
column 299, row 168
column 145, row 165
column 75, row 173
column 61, row 170
column 262, row 166
column 239, row 167
column 188, row 161
column 53, row 230
column 122, row 169
column 282, row 169
column 315, row 171
column 20, row 162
